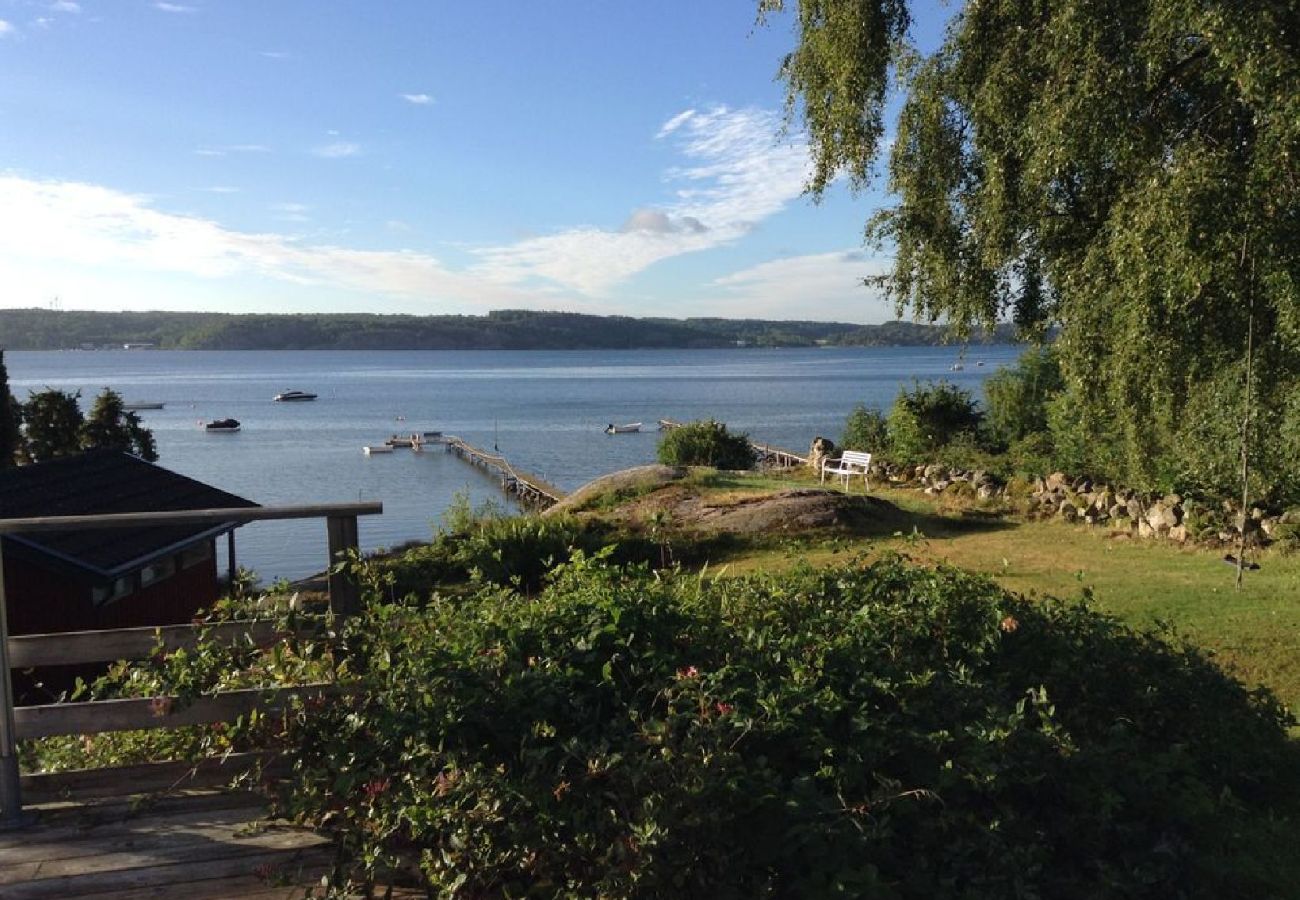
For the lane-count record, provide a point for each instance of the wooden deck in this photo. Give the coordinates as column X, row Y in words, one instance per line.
column 194, row 845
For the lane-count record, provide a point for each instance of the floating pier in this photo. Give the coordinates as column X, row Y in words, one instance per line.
column 528, row 489
column 768, row 456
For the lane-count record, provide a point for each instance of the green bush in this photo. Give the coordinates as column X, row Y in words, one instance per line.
column 927, row 417
column 865, row 429
column 888, row 732
column 706, row 443
column 1208, row 443
column 1015, row 399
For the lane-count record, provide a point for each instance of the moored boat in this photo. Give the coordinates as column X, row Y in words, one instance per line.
column 222, row 426
column 630, row 427
column 371, row 449
column 142, row 404
column 290, row 396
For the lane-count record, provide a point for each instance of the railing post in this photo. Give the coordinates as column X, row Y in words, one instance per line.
column 11, row 797
column 345, row 598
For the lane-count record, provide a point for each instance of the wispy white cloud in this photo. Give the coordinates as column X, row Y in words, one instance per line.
column 418, row 99
column 736, row 174
column 232, row 148
column 292, row 212
column 5, row 28
column 276, row 54
column 175, row 7
column 674, row 123
column 337, row 150
column 66, row 6
column 71, row 226
column 220, row 189
column 821, row 286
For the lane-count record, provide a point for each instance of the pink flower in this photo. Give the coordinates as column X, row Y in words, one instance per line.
column 688, row 672
column 376, row 787
column 724, row 708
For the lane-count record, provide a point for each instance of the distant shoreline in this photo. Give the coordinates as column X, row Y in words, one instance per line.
column 41, row 329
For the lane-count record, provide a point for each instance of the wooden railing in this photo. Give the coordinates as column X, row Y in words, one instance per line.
column 92, row 717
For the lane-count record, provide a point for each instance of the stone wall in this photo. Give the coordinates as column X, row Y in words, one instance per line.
column 1058, row 496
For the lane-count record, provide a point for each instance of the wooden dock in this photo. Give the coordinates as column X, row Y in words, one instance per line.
column 769, row 457
column 528, row 489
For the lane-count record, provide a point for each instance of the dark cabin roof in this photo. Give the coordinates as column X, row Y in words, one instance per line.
column 108, row 481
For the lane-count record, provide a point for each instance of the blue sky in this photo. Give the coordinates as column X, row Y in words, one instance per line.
column 413, row 156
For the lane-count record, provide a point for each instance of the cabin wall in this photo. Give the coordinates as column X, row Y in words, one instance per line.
column 41, row 600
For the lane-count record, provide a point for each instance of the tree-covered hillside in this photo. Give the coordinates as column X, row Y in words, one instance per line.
column 38, row 329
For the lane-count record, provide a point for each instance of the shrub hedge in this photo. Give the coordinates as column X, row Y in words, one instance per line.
column 706, row 443
column 893, row 731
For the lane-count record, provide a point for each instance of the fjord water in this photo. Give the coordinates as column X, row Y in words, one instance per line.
column 545, row 410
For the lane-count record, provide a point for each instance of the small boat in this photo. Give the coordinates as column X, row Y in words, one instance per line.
column 136, row 407
column 371, row 449
column 956, row 367
column 222, row 426
column 980, row 363
column 630, row 427
column 289, row 396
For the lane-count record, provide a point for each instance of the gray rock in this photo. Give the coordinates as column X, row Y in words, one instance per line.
column 1161, row 517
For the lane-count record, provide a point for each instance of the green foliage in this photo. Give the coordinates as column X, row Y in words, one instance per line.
column 11, row 435
column 865, row 429
column 1015, row 399
column 706, row 443
column 1126, row 170
column 1209, row 440
column 928, row 417
column 52, row 424
column 111, row 427
column 893, row 731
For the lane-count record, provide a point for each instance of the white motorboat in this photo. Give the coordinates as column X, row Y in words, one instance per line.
column 629, row 428
column 290, row 396
column 372, row 449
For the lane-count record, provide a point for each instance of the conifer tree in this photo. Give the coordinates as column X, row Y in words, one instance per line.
column 53, row 424
column 11, row 435
column 113, row 427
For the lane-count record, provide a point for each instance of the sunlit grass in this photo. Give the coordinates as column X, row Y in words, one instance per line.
column 1254, row 633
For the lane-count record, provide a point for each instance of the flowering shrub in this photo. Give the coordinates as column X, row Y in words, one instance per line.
column 892, row 731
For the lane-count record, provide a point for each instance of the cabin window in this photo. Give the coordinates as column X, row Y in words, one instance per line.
column 157, row 571
column 192, row 556
column 116, row 590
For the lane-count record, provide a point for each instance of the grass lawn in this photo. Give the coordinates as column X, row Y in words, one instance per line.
column 1254, row 633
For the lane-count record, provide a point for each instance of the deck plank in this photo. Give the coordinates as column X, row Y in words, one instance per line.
column 189, row 846
column 68, row 841
column 178, row 877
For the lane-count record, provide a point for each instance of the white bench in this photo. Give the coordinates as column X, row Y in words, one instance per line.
column 850, row 463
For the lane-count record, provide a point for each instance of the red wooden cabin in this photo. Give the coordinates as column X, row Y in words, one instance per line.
column 111, row 577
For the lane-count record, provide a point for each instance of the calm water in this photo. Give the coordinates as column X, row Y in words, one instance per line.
column 545, row 410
